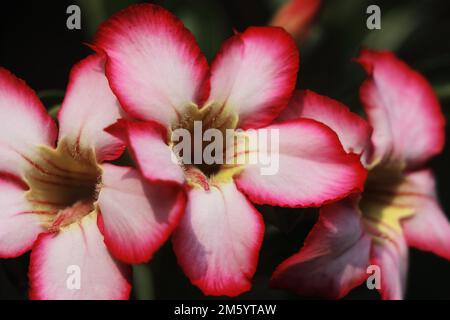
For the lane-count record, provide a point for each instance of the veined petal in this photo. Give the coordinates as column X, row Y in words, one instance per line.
column 310, row 167
column 154, row 66
column 391, row 255
column 58, row 258
column 19, row 223
column 218, row 240
column 353, row 131
column 254, row 74
column 89, row 107
column 147, row 143
column 136, row 217
column 428, row 229
column 403, row 110
column 334, row 258
column 24, row 124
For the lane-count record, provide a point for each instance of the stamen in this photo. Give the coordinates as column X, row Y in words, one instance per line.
column 71, row 214
column 212, row 116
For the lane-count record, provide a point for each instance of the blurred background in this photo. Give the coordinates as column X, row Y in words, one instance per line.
column 36, row 45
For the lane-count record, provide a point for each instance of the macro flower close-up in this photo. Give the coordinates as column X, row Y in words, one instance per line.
column 250, row 82
column 60, row 198
column 224, row 158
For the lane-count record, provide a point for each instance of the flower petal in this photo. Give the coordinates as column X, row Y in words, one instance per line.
column 136, row 217
column 19, row 223
column 155, row 67
column 403, row 110
column 310, row 168
column 24, row 124
column 147, row 143
column 57, row 258
column 391, row 255
column 334, row 258
column 428, row 229
column 296, row 16
column 353, row 131
column 218, row 240
column 88, row 108
column 254, row 74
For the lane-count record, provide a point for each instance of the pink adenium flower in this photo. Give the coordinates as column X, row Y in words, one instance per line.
column 399, row 206
column 162, row 79
column 76, row 212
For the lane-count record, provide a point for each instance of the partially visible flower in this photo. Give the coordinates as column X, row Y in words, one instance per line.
column 399, row 206
column 160, row 76
column 296, row 17
column 76, row 212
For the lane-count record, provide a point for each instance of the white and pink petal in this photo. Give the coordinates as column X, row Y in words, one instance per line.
column 391, row 256
column 429, row 228
column 254, row 74
column 74, row 264
column 20, row 223
column 88, row 108
column 308, row 167
column 218, row 240
column 334, row 258
column 24, row 124
column 148, row 145
column 136, row 217
column 154, row 66
column 402, row 109
column 353, row 131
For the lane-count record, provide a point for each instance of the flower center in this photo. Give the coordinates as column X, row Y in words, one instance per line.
column 63, row 183
column 200, row 141
column 385, row 202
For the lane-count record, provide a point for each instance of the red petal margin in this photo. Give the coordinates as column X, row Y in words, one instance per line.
column 254, row 74
column 403, row 110
column 154, row 66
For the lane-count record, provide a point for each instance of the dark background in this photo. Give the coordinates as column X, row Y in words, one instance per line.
column 36, row 46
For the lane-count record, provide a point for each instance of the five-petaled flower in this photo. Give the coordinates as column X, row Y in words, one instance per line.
column 398, row 207
column 64, row 202
column 163, row 81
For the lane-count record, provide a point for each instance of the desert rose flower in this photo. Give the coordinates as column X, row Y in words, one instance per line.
column 161, row 78
column 59, row 198
column 399, row 206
